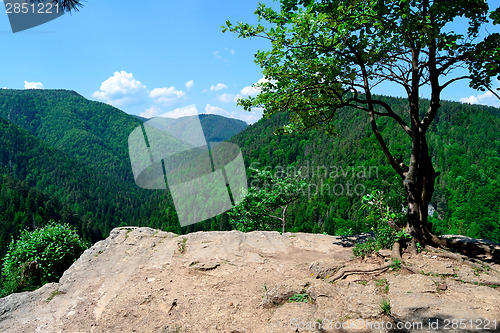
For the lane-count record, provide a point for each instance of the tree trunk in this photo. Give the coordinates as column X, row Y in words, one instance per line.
column 283, row 218
column 412, row 248
column 396, row 250
column 419, row 185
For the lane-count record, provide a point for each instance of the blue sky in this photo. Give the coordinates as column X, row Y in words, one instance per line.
column 150, row 57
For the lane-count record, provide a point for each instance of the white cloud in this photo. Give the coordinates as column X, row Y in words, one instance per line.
column 189, row 84
column 245, row 92
column 487, row 98
column 210, row 109
column 189, row 110
column 226, row 98
column 121, row 89
column 252, row 90
column 151, row 112
column 250, row 117
column 249, row 91
column 218, row 86
column 470, row 100
column 33, row 85
column 166, row 96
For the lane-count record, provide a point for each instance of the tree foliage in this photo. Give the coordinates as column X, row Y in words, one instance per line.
column 464, row 140
column 40, row 256
column 267, row 201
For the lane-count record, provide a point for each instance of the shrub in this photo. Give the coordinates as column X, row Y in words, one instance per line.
column 385, row 236
column 379, row 213
column 40, row 256
column 362, row 249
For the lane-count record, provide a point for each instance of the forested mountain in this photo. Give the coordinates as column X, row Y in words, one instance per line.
column 93, row 132
column 465, row 143
column 92, row 201
column 66, row 158
column 217, row 128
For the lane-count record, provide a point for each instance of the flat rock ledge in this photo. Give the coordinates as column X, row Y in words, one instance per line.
column 145, row 280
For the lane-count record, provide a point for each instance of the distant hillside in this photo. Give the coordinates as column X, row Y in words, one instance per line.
column 39, row 183
column 215, row 128
column 140, row 118
column 65, row 148
column 218, row 128
column 75, row 151
column 94, row 132
column 464, row 140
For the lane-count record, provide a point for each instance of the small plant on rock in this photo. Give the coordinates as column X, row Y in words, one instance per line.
column 395, row 265
column 385, row 222
column 385, row 306
column 382, row 286
column 300, row 298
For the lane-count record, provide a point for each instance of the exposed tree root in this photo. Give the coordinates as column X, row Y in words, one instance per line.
column 410, row 269
column 396, row 250
column 412, row 249
column 396, row 255
column 471, row 248
column 346, row 271
column 473, row 262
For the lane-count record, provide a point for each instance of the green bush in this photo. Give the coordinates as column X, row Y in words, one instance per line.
column 40, row 256
column 385, row 236
column 379, row 214
column 362, row 249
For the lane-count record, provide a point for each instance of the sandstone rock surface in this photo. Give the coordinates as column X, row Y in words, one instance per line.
column 145, row 280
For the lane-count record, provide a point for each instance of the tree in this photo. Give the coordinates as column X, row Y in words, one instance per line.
column 267, row 201
column 327, row 56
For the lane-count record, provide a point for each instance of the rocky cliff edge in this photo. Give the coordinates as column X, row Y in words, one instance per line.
column 145, row 280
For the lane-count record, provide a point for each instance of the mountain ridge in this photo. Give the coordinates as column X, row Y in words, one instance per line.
column 74, row 151
column 464, row 199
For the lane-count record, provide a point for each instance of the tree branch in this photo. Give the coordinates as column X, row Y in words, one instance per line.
column 371, row 113
column 390, row 113
column 493, row 92
column 453, row 80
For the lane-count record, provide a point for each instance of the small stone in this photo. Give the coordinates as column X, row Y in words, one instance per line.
column 442, row 286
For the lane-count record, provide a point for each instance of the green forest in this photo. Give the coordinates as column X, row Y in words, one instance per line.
column 464, row 141
column 65, row 158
